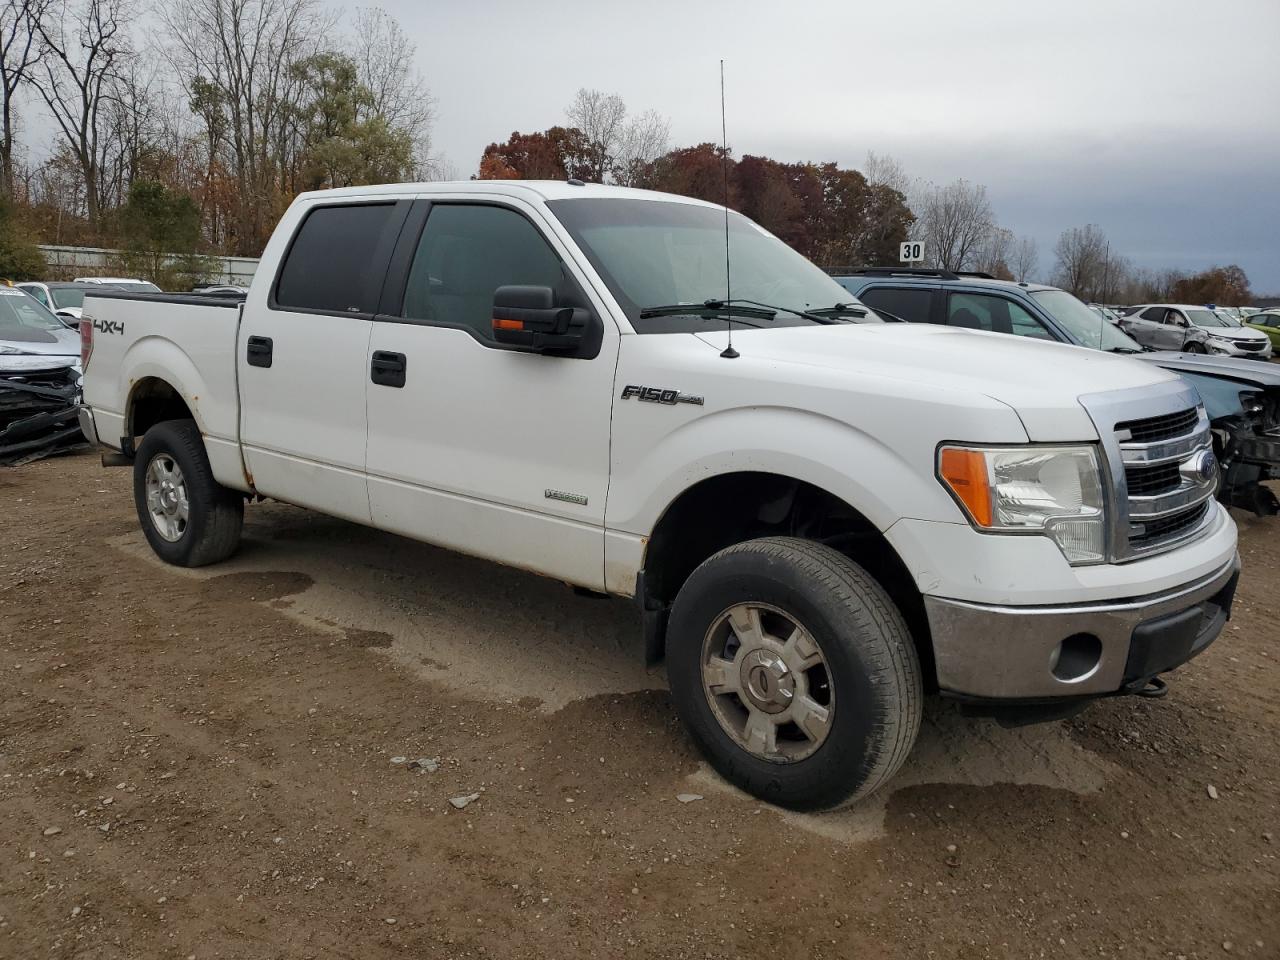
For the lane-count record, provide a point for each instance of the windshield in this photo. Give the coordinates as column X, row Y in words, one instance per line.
column 1086, row 326
column 1207, row 318
column 67, row 297
column 656, row 253
column 21, row 316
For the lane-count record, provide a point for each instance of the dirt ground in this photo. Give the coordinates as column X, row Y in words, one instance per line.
column 200, row 764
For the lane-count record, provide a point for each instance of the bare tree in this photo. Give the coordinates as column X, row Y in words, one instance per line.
column 1026, row 256
column 1082, row 254
column 994, row 253
column 236, row 57
column 20, row 52
column 385, row 66
column 644, row 139
column 86, row 52
column 953, row 221
column 602, row 119
column 882, row 170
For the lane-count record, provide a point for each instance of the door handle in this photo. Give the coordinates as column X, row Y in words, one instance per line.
column 258, row 352
column 387, row 369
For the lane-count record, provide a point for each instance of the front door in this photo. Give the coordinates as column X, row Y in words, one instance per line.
column 479, row 448
column 302, row 357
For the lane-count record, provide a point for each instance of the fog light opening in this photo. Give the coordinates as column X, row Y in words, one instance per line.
column 1076, row 657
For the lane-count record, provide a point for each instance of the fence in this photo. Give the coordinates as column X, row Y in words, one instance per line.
column 96, row 261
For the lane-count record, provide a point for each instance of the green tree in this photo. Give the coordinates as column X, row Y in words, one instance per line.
column 20, row 258
column 339, row 149
column 160, row 231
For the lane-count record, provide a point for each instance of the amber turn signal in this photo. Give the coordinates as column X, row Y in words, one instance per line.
column 965, row 474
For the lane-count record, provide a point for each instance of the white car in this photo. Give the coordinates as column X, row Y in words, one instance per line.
column 820, row 516
column 1193, row 329
column 132, row 284
column 32, row 338
column 64, row 299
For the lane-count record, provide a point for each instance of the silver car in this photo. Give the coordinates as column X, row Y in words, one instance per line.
column 1193, row 329
column 32, row 338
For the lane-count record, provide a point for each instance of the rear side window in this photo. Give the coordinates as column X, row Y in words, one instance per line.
column 1154, row 314
column 336, row 262
column 909, row 304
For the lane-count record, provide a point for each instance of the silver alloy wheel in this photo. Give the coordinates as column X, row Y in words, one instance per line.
column 166, row 491
column 767, row 682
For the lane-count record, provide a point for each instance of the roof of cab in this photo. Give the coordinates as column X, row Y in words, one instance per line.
column 540, row 189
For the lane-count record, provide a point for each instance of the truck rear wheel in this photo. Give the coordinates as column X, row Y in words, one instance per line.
column 189, row 518
column 794, row 673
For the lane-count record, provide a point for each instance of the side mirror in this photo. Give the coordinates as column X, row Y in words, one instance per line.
column 527, row 317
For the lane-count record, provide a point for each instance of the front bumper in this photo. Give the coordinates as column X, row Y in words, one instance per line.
column 992, row 652
column 1234, row 351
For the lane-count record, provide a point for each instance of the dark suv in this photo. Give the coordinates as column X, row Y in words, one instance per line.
column 981, row 302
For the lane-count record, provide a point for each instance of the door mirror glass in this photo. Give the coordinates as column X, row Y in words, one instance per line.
column 527, row 317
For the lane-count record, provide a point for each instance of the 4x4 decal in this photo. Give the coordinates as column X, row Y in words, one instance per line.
column 109, row 326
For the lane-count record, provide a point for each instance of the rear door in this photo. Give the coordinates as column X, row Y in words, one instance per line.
column 487, row 450
column 302, row 354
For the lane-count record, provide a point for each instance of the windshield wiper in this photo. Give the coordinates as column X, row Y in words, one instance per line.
column 707, row 307
column 842, row 310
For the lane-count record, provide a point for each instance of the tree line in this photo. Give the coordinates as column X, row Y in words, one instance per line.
column 195, row 137
column 201, row 132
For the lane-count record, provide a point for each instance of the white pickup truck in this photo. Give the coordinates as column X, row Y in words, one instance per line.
column 819, row 524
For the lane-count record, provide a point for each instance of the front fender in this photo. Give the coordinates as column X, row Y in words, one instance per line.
column 880, row 481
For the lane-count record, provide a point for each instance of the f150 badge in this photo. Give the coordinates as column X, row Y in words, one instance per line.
column 659, row 395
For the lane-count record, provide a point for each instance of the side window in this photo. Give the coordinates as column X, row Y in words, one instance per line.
column 1175, row 318
column 38, row 293
column 910, row 304
column 336, row 263
column 978, row 311
column 1154, row 314
column 466, row 252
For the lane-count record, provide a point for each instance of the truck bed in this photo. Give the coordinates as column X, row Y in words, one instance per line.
column 184, row 340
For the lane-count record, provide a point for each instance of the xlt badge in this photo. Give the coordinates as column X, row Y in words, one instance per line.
column 659, row 395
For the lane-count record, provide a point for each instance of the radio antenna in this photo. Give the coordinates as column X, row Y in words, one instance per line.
column 728, row 353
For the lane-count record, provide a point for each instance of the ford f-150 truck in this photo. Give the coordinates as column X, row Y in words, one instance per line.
column 821, row 516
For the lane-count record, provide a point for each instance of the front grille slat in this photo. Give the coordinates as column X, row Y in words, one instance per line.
column 1168, row 528
column 1154, row 429
column 1147, row 481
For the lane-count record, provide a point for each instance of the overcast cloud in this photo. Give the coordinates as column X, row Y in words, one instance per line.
column 1159, row 121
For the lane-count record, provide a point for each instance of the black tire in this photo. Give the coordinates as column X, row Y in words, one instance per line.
column 870, row 661
column 211, row 531
column 1194, row 348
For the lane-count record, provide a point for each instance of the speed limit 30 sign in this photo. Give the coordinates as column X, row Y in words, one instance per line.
column 911, row 252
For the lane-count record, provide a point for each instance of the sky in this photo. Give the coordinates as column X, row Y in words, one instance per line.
column 1158, row 121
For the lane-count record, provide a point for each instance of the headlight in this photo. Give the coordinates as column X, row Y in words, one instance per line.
column 1052, row 491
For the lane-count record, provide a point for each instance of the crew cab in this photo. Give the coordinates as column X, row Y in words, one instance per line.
column 820, row 516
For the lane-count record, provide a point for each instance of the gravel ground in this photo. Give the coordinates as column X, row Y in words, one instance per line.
column 208, row 764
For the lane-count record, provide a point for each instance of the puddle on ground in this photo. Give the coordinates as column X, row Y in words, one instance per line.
column 955, row 749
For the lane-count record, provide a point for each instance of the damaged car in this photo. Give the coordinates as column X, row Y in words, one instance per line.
column 39, row 381
column 1242, row 400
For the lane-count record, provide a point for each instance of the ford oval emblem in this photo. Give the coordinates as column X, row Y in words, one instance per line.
column 1200, row 469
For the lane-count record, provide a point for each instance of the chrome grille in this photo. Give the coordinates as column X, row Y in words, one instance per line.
column 1155, row 440
column 1249, row 344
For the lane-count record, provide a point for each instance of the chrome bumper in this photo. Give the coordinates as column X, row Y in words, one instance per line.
column 87, row 426
column 1030, row 653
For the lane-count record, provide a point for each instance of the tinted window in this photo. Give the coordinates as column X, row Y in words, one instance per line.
column 67, row 297
column 909, row 304
column 1154, row 314
column 38, row 293
column 980, row 312
column 465, row 254
column 335, row 262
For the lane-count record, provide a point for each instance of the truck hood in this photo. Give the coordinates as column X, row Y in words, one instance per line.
column 60, row 342
column 1040, row 380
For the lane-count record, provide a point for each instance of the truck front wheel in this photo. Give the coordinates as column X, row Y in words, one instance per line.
column 794, row 673
column 188, row 517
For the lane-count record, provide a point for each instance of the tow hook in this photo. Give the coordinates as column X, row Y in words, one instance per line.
column 1154, row 689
